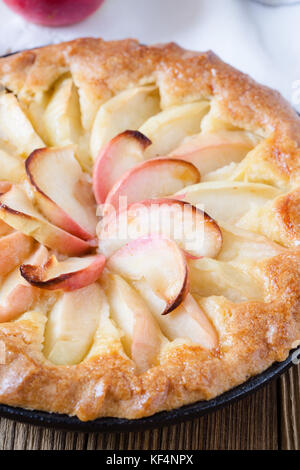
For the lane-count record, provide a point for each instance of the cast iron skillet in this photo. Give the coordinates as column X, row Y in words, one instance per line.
column 164, row 418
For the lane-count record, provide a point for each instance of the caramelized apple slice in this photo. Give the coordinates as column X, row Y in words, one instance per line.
column 120, row 154
column 167, row 129
column 158, row 177
column 62, row 190
column 194, row 231
column 25, row 138
column 128, row 110
column 16, row 295
column 72, row 274
column 157, row 261
column 227, row 201
column 17, row 210
column 211, row 151
column 72, row 324
column 14, row 247
column 142, row 338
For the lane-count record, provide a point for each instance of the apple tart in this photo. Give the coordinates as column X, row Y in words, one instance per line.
column 149, row 228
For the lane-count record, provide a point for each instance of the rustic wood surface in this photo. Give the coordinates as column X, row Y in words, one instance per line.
column 268, row 420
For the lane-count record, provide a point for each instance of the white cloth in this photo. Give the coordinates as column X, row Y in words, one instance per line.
column 260, row 40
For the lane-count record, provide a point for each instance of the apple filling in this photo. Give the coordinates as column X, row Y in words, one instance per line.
column 179, row 230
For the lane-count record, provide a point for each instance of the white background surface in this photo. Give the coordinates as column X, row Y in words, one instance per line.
column 262, row 41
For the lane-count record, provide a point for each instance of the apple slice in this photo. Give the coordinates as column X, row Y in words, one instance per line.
column 62, row 191
column 25, row 138
column 240, row 244
column 35, row 109
column 158, row 262
column 142, row 338
column 120, row 154
column 211, row 151
column 188, row 321
column 17, row 210
column 211, row 277
column 107, row 339
column 16, row 295
column 228, row 201
column 221, row 174
column 90, row 99
column 158, row 177
column 194, row 231
column 14, row 247
column 70, row 331
column 71, row 274
column 214, row 120
column 62, row 114
column 12, row 167
column 61, row 120
column 167, row 129
column 128, row 110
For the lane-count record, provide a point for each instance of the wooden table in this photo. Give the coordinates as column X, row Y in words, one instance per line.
column 268, row 419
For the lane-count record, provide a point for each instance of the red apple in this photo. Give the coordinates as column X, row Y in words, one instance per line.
column 54, row 12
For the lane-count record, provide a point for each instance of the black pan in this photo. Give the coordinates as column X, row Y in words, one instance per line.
column 165, row 418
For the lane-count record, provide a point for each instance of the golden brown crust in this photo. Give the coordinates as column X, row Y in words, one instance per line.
column 258, row 333
column 287, row 208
